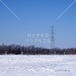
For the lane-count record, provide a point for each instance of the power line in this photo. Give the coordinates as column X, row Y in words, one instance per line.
column 10, row 10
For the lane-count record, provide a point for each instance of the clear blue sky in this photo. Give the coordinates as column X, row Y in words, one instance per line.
column 37, row 16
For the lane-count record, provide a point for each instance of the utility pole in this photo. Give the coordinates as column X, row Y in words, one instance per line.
column 52, row 39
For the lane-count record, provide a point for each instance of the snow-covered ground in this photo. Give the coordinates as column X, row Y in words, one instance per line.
column 38, row 65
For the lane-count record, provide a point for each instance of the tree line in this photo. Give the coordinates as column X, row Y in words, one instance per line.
column 32, row 50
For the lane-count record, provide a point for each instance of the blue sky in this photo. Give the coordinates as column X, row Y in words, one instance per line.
column 37, row 16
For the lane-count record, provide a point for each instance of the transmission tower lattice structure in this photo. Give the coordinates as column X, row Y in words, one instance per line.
column 52, row 38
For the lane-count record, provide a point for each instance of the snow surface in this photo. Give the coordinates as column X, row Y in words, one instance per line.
column 37, row 65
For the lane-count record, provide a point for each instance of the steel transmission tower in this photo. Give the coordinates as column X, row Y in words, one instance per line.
column 52, row 38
